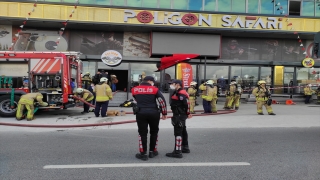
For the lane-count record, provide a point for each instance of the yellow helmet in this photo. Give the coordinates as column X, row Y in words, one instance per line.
column 261, row 82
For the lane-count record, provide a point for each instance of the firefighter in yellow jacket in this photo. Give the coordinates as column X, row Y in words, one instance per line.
column 27, row 102
column 207, row 95
column 308, row 93
column 103, row 95
column 192, row 91
column 85, row 95
column 231, row 94
column 235, row 95
column 228, row 97
column 262, row 96
column 214, row 93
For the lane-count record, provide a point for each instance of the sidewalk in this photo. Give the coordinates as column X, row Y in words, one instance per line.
column 299, row 115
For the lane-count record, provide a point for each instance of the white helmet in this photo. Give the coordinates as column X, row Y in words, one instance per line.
column 193, row 83
column 104, row 79
column 309, row 85
column 233, row 82
column 210, row 82
column 79, row 90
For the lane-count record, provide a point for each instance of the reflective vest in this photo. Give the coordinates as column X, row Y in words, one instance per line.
column 192, row 93
column 103, row 92
column 30, row 97
column 260, row 93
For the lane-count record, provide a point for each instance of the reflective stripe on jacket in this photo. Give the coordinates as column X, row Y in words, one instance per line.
column 232, row 90
column 103, row 92
column 260, row 94
column 30, row 97
column 86, row 95
column 192, row 93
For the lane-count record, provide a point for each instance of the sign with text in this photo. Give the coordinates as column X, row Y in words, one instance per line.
column 184, row 73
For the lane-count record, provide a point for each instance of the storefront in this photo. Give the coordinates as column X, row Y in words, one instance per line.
column 242, row 48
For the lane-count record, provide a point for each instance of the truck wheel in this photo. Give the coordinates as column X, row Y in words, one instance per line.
column 5, row 107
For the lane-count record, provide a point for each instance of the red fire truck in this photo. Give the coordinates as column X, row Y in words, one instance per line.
column 52, row 73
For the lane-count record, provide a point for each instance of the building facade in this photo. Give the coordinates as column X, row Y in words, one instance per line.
column 241, row 40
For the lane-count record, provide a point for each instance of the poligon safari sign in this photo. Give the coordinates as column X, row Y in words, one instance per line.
column 252, row 22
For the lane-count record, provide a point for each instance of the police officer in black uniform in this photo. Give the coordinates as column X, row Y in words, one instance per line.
column 180, row 107
column 147, row 113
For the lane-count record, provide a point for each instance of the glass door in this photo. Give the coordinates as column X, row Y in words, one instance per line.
column 288, row 82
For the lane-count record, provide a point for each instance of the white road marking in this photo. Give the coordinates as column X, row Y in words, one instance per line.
column 79, row 166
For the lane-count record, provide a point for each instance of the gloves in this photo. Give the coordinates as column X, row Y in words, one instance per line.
column 176, row 122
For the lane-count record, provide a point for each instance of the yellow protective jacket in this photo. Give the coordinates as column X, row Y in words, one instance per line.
column 86, row 95
column 30, row 97
column 308, row 91
column 103, row 92
column 260, row 93
column 208, row 93
column 232, row 90
column 192, row 93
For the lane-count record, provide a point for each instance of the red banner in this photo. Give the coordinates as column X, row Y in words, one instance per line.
column 184, row 73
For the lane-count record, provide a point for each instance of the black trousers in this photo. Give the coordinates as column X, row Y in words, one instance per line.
column 104, row 108
column 86, row 107
column 307, row 100
column 143, row 121
column 181, row 131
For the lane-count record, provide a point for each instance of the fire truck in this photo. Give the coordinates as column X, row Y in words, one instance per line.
column 52, row 73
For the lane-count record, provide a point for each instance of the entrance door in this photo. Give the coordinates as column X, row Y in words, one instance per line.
column 122, row 77
column 288, row 82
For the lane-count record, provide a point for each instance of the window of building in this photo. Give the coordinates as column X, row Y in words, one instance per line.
column 239, row 6
column 317, row 8
column 266, row 7
column 150, row 3
column 169, row 75
column 219, row 74
column 89, row 66
column 102, row 2
column 118, row 2
column 294, row 8
column 247, row 77
column 165, row 4
column 209, row 5
column 81, row 2
column 180, row 4
column 224, row 5
column 307, row 8
column 253, row 6
column 139, row 71
column 307, row 76
column 195, row 5
column 134, row 3
column 281, row 7
column 265, row 74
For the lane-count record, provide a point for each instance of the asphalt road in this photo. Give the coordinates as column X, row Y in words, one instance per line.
column 272, row 153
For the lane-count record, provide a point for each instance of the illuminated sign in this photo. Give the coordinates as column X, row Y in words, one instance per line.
column 111, row 58
column 308, row 62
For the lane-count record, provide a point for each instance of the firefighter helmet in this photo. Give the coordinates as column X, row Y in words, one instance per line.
column 79, row 90
column 261, row 82
column 104, row 79
column 193, row 83
column 210, row 82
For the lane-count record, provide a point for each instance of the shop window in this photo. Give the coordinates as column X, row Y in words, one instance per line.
column 139, row 71
column 253, row 6
column 266, row 7
column 150, row 3
column 180, row 4
column 102, row 2
column 195, row 5
column 265, row 74
column 165, row 4
column 247, row 77
column 169, row 75
column 294, row 8
column 239, row 6
column 307, row 76
column 135, row 3
column 282, row 8
column 219, row 74
column 317, row 5
column 80, row 2
column 89, row 66
column 307, row 8
column 224, row 5
column 118, row 2
column 210, row 5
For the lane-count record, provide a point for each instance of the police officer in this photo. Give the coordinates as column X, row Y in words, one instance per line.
column 262, row 96
column 192, row 91
column 85, row 95
column 147, row 114
column 232, row 91
column 27, row 101
column 103, row 95
column 180, row 107
column 207, row 95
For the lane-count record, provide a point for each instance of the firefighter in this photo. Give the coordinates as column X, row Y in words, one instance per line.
column 318, row 94
column 214, row 94
column 262, row 96
column 86, row 80
column 228, row 97
column 206, row 96
column 103, row 95
column 192, row 91
column 181, row 111
column 232, row 93
column 147, row 114
column 27, row 101
column 308, row 93
column 237, row 97
column 85, row 95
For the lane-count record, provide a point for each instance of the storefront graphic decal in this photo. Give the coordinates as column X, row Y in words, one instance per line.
column 308, row 62
column 252, row 22
column 5, row 37
column 184, row 72
column 111, row 58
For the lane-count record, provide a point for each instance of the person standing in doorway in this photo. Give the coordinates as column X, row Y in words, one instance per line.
column 103, row 95
column 114, row 81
